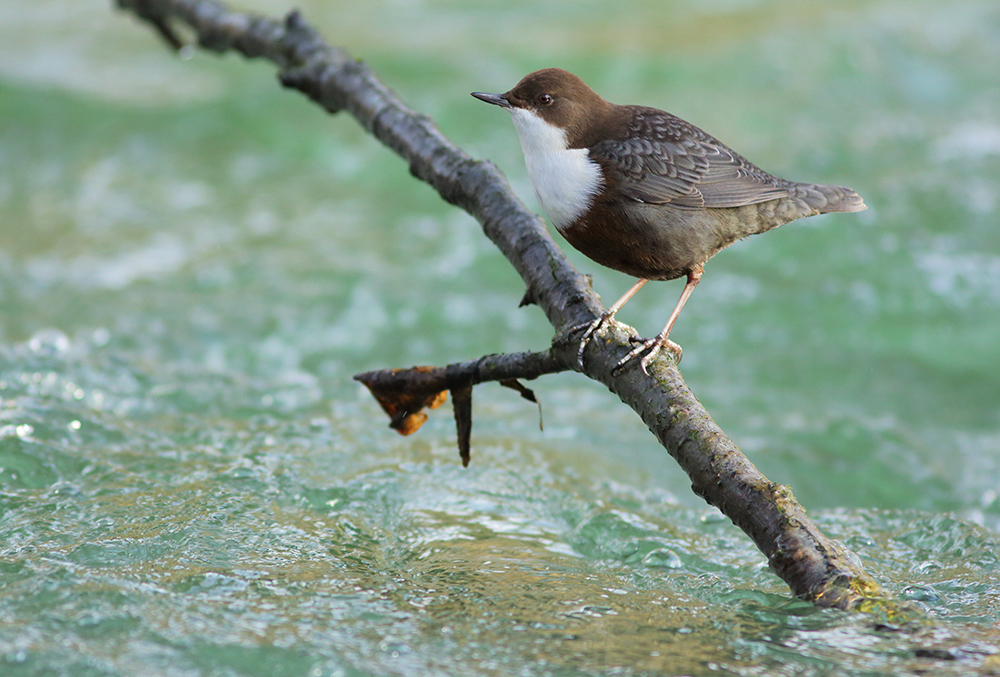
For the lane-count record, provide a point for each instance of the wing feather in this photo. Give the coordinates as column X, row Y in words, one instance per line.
column 664, row 159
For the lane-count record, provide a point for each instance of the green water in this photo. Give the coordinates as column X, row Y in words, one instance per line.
column 194, row 262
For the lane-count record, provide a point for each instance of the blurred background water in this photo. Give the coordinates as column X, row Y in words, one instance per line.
column 194, row 262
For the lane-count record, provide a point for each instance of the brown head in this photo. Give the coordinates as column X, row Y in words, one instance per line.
column 563, row 100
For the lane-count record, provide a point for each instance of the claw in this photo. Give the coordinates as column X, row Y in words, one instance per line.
column 591, row 331
column 652, row 348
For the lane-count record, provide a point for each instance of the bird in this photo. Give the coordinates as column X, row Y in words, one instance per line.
column 644, row 192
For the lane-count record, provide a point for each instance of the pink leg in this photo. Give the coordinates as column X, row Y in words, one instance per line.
column 608, row 314
column 654, row 344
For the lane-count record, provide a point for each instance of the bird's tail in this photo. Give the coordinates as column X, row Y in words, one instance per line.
column 825, row 199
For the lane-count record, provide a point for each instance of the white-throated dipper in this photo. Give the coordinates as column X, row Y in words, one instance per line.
column 642, row 191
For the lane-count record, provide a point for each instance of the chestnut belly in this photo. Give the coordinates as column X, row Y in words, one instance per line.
column 659, row 242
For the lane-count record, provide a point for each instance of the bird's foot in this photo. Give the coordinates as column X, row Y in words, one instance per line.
column 652, row 348
column 589, row 331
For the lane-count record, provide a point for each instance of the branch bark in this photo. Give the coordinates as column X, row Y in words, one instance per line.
column 815, row 567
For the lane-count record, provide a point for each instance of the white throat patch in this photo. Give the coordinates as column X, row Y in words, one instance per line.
column 565, row 180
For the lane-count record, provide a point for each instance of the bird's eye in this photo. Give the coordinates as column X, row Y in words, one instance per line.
column 545, row 99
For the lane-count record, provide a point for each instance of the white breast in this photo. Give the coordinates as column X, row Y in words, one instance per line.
column 565, row 180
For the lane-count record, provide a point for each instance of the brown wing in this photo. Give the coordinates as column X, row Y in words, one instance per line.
column 667, row 160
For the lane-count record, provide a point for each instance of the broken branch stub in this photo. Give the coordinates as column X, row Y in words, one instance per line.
column 404, row 397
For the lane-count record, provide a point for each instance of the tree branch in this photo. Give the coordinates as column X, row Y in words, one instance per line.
column 815, row 567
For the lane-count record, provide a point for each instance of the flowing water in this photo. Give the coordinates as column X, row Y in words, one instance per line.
column 194, row 262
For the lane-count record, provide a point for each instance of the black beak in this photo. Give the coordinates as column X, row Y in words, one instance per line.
column 495, row 99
